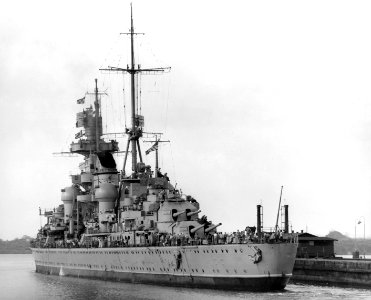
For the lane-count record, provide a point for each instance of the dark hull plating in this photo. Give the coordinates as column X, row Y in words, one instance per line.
column 230, row 283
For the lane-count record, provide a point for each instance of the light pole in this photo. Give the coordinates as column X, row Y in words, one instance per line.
column 355, row 234
column 364, row 235
column 356, row 252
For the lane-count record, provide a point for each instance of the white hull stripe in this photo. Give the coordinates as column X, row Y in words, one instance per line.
column 182, row 274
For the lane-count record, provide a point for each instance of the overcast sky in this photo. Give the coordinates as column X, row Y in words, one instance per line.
column 261, row 94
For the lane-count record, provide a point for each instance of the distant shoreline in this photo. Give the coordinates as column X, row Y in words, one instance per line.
column 15, row 253
column 16, row 246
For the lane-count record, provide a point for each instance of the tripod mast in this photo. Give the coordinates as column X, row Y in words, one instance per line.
column 135, row 132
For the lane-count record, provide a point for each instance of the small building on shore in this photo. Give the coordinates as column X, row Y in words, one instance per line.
column 311, row 246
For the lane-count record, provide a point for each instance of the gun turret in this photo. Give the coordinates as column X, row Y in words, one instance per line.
column 212, row 227
column 193, row 230
column 191, row 213
column 178, row 213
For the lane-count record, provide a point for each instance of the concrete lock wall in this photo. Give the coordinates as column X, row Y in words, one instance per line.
column 333, row 271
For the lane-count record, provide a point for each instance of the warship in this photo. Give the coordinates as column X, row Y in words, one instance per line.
column 138, row 227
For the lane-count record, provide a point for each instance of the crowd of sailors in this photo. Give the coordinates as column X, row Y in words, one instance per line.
column 146, row 239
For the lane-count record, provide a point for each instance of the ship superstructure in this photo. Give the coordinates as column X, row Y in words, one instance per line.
column 138, row 227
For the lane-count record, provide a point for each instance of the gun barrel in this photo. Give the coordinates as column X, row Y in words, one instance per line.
column 191, row 213
column 178, row 213
column 193, row 230
column 212, row 227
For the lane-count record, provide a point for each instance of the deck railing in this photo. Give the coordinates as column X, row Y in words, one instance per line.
column 167, row 240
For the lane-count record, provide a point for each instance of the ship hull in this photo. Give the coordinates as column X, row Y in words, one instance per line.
column 232, row 266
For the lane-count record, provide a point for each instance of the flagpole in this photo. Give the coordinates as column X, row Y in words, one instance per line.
column 155, row 147
column 156, row 166
column 132, row 83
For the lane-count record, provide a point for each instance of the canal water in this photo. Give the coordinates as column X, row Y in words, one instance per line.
column 18, row 280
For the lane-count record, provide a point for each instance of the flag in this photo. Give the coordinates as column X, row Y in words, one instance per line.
column 79, row 134
column 81, row 101
column 153, row 148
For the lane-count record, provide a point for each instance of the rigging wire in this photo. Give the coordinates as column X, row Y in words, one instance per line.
column 123, row 98
column 106, row 117
column 110, row 96
column 140, row 94
column 173, row 165
column 110, row 52
column 136, row 95
column 167, row 102
column 111, row 102
column 69, row 136
column 139, row 86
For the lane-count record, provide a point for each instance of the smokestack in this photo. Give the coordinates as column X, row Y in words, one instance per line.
column 71, row 226
column 258, row 219
column 286, row 218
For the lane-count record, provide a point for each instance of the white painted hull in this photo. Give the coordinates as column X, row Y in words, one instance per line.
column 229, row 266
